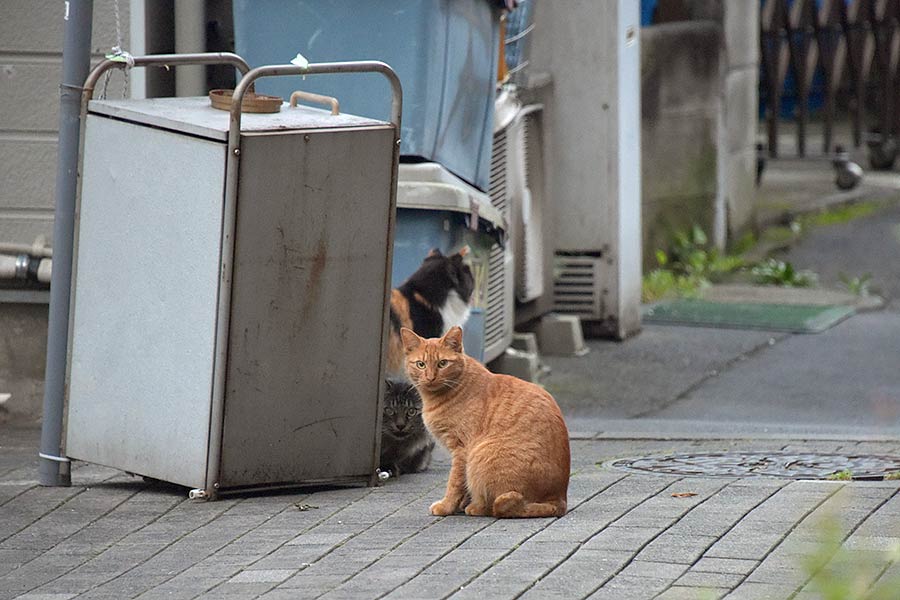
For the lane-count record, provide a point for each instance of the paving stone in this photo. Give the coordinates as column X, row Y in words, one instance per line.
column 613, row 502
column 675, row 548
column 237, row 590
column 629, row 539
column 630, row 588
column 30, row 506
column 308, row 581
column 292, row 557
column 752, row 546
column 677, row 592
column 709, row 580
column 761, row 591
column 181, row 589
column 580, row 574
column 262, row 576
column 725, row 565
column 373, row 582
column 658, row 570
column 518, row 571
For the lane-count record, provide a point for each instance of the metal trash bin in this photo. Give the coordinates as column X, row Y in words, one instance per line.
column 227, row 329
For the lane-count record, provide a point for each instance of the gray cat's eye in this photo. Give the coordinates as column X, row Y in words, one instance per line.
column 389, row 412
column 412, row 412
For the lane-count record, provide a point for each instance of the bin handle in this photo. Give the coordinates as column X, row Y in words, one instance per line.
column 318, row 99
column 368, row 66
column 162, row 60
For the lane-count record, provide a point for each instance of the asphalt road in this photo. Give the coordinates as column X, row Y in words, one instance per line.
column 844, row 379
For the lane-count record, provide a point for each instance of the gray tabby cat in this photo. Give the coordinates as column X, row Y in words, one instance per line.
column 406, row 444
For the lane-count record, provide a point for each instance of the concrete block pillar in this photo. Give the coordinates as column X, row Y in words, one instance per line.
column 740, row 21
column 591, row 52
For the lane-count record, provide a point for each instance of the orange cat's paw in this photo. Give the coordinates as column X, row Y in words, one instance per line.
column 475, row 510
column 442, row 508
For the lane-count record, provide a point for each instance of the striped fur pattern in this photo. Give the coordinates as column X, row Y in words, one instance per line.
column 406, row 444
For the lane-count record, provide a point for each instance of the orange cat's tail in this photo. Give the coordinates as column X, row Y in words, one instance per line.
column 512, row 505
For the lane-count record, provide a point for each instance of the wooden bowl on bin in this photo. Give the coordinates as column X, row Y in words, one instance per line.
column 250, row 103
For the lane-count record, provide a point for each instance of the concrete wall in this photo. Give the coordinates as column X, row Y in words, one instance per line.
column 740, row 22
column 681, row 132
column 31, row 37
column 23, row 349
column 699, row 118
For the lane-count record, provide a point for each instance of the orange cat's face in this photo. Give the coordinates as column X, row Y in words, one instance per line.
column 434, row 365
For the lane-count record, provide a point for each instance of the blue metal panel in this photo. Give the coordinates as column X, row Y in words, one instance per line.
column 445, row 52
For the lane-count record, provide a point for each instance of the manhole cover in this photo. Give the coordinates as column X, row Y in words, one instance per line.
column 764, row 464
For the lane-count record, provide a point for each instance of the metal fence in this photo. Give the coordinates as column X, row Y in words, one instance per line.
column 850, row 49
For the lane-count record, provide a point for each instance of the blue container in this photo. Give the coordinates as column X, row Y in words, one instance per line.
column 417, row 232
column 648, row 7
column 445, row 52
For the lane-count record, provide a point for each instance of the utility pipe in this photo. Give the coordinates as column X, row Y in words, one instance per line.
column 26, row 267
column 190, row 38
column 36, row 249
column 54, row 467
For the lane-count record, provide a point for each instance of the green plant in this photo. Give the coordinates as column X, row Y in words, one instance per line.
column 691, row 254
column 689, row 266
column 857, row 285
column 895, row 476
column 662, row 283
column 743, row 244
column 840, row 214
column 777, row 272
column 845, row 475
column 839, row 573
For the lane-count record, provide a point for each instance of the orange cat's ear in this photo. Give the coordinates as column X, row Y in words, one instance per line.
column 410, row 340
column 453, row 339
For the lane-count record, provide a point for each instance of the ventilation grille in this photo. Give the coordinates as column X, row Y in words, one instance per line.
column 530, row 263
column 499, row 190
column 577, row 290
column 495, row 321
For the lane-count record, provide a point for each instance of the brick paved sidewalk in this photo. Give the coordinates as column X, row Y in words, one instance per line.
column 625, row 537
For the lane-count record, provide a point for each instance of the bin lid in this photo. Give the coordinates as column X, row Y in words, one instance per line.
column 430, row 186
column 195, row 116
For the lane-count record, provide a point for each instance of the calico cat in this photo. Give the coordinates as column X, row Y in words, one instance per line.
column 434, row 298
column 405, row 443
column 507, row 437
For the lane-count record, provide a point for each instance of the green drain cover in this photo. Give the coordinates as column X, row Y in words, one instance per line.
column 794, row 318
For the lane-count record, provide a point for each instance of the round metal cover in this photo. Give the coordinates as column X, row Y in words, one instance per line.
column 792, row 465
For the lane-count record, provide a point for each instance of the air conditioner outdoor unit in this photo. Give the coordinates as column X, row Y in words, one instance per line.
column 529, row 222
column 516, row 189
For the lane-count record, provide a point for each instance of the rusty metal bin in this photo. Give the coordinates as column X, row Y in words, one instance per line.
column 231, row 289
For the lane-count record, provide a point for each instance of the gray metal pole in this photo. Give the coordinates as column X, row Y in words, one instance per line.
column 54, row 469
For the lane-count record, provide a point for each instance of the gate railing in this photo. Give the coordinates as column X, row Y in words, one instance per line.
column 857, row 40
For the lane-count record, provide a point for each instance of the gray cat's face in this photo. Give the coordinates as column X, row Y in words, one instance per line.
column 402, row 410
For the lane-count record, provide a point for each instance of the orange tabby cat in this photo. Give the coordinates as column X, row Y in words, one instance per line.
column 507, row 437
